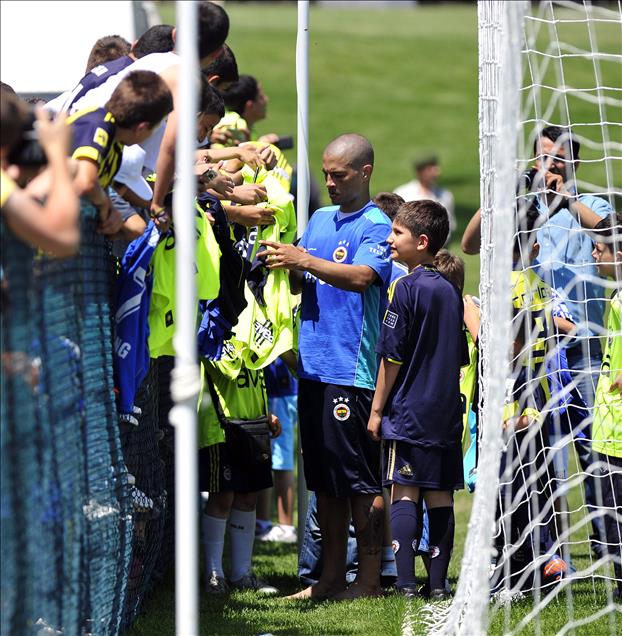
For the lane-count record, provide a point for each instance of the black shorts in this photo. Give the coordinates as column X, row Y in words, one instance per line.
column 221, row 471
column 340, row 459
column 424, row 467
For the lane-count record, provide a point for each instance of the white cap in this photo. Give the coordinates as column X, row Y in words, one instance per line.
column 131, row 172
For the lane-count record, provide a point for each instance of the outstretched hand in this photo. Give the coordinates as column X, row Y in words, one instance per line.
column 282, row 255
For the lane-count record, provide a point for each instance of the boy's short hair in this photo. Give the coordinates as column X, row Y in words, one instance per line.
column 142, row 96
column 451, row 267
column 240, row 92
column 13, row 113
column 388, row 202
column 225, row 66
column 213, row 28
column 609, row 231
column 425, row 217
column 106, row 49
column 157, row 39
column 210, row 100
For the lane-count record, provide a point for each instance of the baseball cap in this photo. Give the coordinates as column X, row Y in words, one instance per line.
column 131, row 172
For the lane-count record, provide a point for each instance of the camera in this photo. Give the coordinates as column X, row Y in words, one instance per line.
column 27, row 151
column 284, row 143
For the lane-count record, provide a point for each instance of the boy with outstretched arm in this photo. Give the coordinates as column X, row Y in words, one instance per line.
column 416, row 407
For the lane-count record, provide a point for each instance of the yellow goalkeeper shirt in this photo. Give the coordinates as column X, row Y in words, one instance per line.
column 607, row 426
column 162, row 310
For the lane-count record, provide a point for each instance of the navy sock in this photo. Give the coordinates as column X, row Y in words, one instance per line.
column 442, row 527
column 404, row 531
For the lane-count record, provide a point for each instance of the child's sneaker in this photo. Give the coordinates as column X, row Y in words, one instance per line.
column 216, row 584
column 251, row 582
column 280, row 534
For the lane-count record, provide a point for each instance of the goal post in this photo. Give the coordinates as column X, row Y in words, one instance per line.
column 537, row 550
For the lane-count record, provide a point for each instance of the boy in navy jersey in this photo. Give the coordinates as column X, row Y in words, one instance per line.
column 137, row 106
column 417, row 400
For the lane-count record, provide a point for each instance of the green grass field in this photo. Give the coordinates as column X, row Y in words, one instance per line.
column 406, row 79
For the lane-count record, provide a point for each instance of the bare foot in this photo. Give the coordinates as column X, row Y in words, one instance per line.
column 317, row 592
column 359, row 590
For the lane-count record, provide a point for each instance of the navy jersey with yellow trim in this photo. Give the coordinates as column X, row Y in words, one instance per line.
column 422, row 332
column 93, row 131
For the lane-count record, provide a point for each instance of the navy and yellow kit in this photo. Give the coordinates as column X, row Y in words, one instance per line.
column 94, row 130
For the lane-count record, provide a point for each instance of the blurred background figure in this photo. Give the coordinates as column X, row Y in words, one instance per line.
column 425, row 186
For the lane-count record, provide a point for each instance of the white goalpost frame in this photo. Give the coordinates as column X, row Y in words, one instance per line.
column 302, row 195
column 504, row 29
column 185, row 379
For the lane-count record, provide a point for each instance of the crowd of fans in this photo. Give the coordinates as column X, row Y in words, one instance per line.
column 363, row 320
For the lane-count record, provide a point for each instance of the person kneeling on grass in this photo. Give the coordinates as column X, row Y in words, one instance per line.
column 234, row 465
column 417, row 402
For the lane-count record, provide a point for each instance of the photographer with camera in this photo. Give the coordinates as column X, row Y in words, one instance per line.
column 51, row 226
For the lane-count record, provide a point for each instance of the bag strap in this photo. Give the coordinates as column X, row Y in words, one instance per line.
column 216, row 400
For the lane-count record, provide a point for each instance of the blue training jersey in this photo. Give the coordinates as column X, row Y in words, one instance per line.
column 338, row 328
column 134, row 284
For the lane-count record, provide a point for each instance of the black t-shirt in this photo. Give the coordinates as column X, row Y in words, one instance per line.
column 422, row 331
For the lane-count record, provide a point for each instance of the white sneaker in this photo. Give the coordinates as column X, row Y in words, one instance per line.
column 280, row 534
column 252, row 582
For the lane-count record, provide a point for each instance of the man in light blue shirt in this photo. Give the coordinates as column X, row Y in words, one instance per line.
column 341, row 266
column 565, row 262
column 565, row 259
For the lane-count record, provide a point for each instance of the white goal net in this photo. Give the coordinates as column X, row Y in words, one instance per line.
column 543, row 553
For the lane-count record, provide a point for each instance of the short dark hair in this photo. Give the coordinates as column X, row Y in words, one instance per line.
column 213, row 28
column 425, row 217
column 451, row 267
column 13, row 114
column 236, row 96
column 609, row 231
column 423, row 162
column 157, row 39
column 106, row 49
column 142, row 96
column 210, row 101
column 388, row 202
column 225, row 66
column 563, row 134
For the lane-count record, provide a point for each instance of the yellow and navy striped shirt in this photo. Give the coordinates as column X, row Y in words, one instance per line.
column 94, row 131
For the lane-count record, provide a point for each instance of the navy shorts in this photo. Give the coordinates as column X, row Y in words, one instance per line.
column 424, row 467
column 340, row 459
column 219, row 471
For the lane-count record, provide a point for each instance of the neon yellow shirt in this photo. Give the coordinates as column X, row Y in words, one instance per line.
column 7, row 187
column 468, row 375
column 241, row 391
column 531, row 293
column 163, row 305
column 268, row 331
column 607, row 426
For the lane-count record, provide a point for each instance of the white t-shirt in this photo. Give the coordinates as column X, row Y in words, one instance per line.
column 155, row 62
column 414, row 191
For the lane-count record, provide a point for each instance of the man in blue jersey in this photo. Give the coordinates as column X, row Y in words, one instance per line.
column 341, row 265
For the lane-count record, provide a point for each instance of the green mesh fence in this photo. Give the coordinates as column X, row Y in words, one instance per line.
column 77, row 556
column 141, row 452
